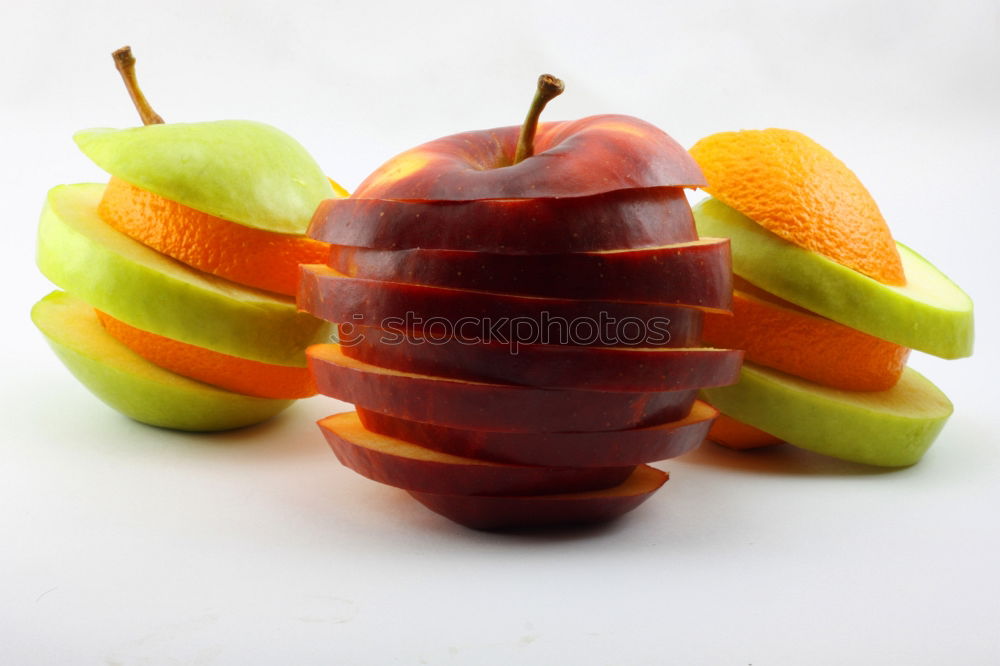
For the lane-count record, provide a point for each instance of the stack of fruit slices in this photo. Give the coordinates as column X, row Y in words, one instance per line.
column 827, row 306
column 179, row 274
column 519, row 327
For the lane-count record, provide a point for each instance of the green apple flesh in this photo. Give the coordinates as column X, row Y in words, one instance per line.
column 134, row 386
column 241, row 171
column 131, row 282
column 889, row 428
column 930, row 313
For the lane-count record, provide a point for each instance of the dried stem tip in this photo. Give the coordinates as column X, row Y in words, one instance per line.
column 125, row 63
column 549, row 87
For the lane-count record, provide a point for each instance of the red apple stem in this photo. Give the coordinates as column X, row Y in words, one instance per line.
column 549, row 87
column 125, row 63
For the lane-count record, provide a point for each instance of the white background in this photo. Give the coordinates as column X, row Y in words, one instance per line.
column 125, row 545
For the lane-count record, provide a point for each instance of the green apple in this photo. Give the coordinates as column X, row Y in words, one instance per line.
column 239, row 170
column 889, row 428
column 134, row 386
column 82, row 254
column 930, row 312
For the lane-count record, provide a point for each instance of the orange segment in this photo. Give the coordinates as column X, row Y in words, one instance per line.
column 340, row 191
column 792, row 186
column 232, row 373
column 253, row 257
column 734, row 434
column 783, row 336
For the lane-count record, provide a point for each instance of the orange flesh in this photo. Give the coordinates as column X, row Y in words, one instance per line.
column 780, row 335
column 253, row 257
column 795, row 188
column 738, row 435
column 232, row 373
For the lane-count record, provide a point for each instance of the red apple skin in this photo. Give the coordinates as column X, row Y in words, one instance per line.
column 611, row 221
column 412, row 467
column 574, row 158
column 475, row 405
column 500, row 513
column 696, row 273
column 330, row 295
column 633, row 369
column 582, row 449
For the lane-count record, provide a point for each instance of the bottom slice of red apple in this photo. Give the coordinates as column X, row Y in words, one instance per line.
column 579, row 449
column 495, row 513
column 414, row 467
column 480, row 405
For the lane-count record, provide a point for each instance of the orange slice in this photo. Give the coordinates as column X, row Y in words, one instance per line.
column 785, row 337
column 795, row 188
column 253, row 257
column 734, row 434
column 240, row 375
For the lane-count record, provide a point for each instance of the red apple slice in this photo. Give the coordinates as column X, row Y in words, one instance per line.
column 477, row 405
column 414, row 467
column 611, row 221
column 546, row 366
column 489, row 317
column 582, row 449
column 694, row 273
column 494, row 513
column 574, row 158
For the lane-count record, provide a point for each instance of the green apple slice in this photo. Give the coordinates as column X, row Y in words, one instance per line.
column 83, row 255
column 241, row 171
column 889, row 428
column 930, row 313
column 134, row 386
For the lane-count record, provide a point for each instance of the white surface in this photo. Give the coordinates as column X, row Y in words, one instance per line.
column 125, row 545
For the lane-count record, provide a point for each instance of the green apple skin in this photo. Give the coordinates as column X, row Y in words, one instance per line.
column 930, row 313
column 239, row 170
column 80, row 253
column 891, row 428
column 134, row 386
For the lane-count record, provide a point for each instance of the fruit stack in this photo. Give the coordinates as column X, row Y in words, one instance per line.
column 827, row 306
column 179, row 273
column 519, row 315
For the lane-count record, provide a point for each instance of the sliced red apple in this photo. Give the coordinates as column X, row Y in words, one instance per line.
column 694, row 273
column 581, row 449
column 414, row 467
column 479, row 315
column 610, row 221
column 546, row 366
column 494, row 513
column 574, row 158
column 477, row 405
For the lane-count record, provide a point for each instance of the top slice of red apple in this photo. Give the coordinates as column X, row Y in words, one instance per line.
column 576, row 158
